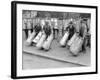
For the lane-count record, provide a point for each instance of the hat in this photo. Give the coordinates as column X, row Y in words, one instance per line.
column 70, row 22
column 83, row 20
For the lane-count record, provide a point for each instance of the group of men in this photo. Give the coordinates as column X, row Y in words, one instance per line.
column 81, row 26
column 83, row 31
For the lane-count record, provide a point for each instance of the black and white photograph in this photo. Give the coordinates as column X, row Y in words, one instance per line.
column 54, row 40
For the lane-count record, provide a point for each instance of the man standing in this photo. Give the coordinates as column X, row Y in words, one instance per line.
column 47, row 29
column 71, row 29
column 29, row 26
column 83, row 32
column 55, row 29
column 37, row 28
column 25, row 27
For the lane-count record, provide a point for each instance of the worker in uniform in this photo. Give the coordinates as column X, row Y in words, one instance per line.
column 55, row 29
column 70, row 29
column 29, row 26
column 25, row 28
column 47, row 29
column 88, row 33
column 37, row 28
column 83, row 33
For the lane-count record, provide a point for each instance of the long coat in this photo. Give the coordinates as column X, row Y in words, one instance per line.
column 71, row 30
column 47, row 30
column 83, row 30
column 37, row 28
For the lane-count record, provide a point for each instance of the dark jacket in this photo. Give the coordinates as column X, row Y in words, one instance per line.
column 37, row 28
column 71, row 30
column 83, row 30
column 47, row 29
